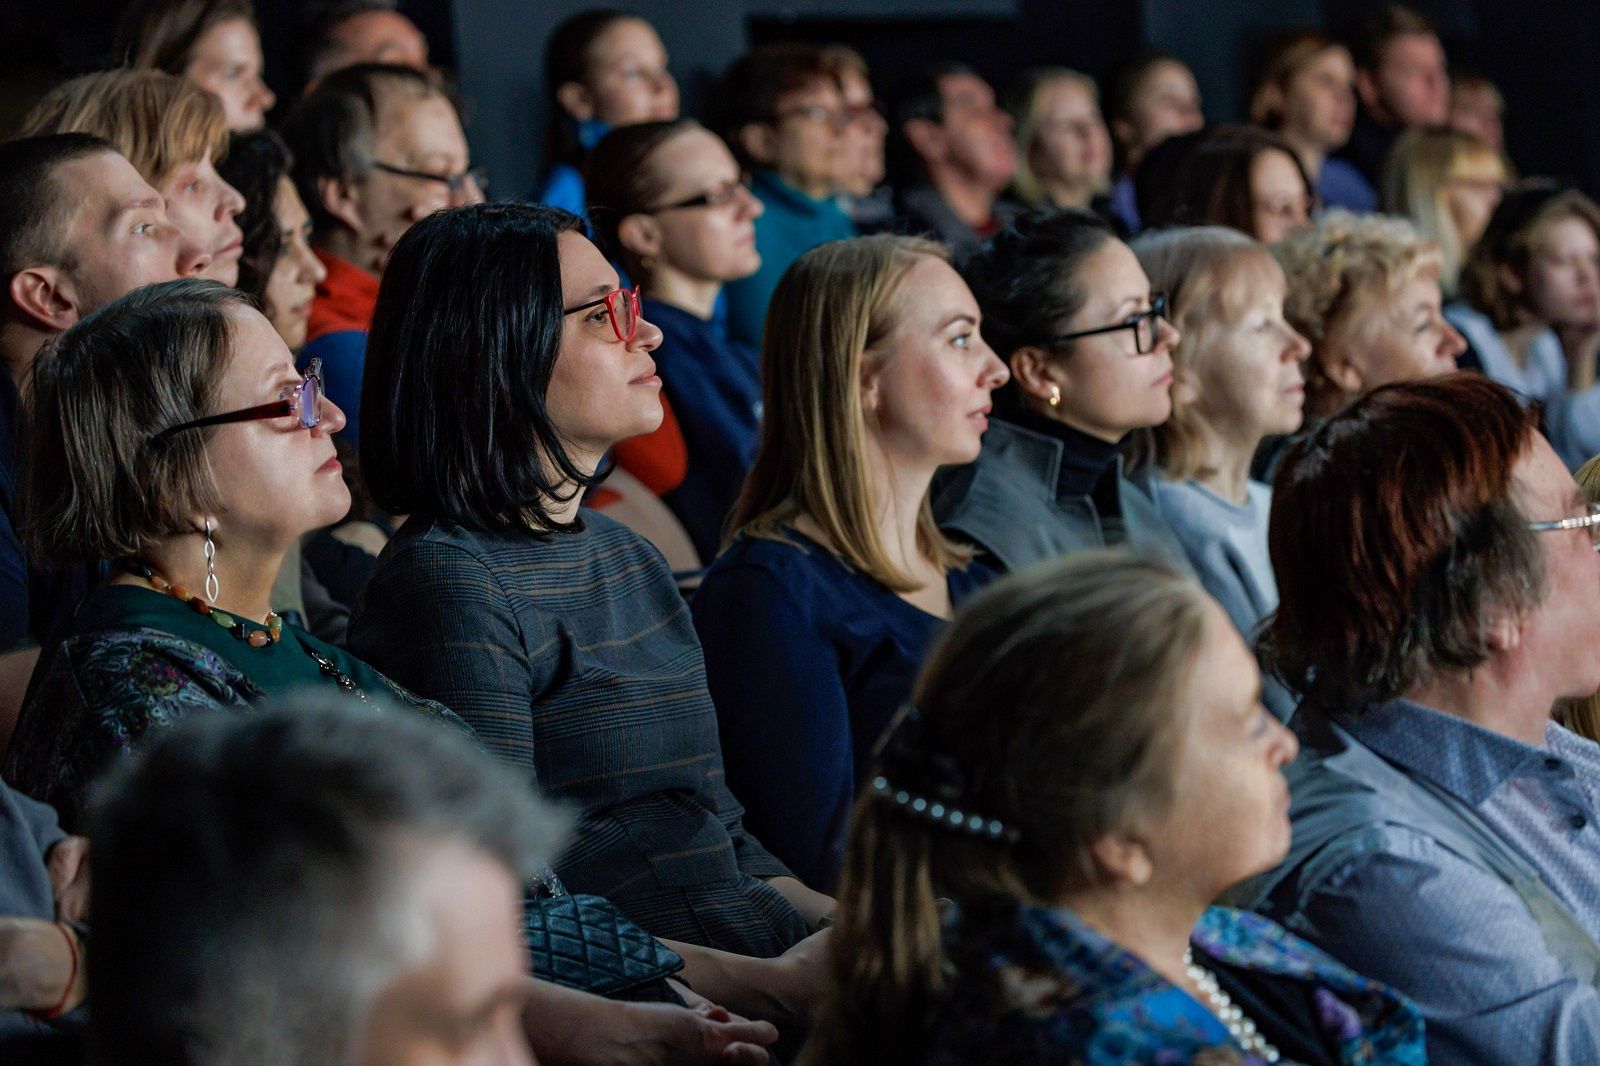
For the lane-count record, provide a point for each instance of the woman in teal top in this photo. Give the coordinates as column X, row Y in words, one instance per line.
column 172, row 433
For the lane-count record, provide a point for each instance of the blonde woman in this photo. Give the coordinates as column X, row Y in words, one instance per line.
column 1088, row 768
column 1448, row 184
column 815, row 618
column 1236, row 382
column 1063, row 146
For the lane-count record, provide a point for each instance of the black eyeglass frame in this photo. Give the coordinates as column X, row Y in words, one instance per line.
column 308, row 408
column 707, row 199
column 456, row 183
column 1158, row 309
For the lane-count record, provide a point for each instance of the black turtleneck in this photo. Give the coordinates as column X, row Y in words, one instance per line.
column 1085, row 460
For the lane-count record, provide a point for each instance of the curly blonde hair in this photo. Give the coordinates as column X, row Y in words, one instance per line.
column 1338, row 271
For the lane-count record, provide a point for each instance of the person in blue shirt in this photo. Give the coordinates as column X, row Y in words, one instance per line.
column 1085, row 767
column 815, row 619
column 784, row 116
column 667, row 200
column 603, row 68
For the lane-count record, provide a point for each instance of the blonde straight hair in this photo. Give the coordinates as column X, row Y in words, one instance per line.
column 1420, row 166
column 832, row 317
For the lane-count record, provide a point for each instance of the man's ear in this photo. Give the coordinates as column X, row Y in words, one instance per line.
column 46, row 295
column 759, row 141
column 927, row 138
column 1502, row 630
column 341, row 200
column 575, row 100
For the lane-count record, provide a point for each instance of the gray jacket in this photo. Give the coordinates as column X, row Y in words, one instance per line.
column 1005, row 502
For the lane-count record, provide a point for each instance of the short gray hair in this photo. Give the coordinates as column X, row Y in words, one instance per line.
column 250, row 875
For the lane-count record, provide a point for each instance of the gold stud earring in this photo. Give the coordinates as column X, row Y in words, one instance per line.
column 1055, row 395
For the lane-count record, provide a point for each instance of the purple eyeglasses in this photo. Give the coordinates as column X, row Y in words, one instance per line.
column 304, row 400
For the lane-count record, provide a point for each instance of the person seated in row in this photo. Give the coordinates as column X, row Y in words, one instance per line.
column 1306, row 95
column 1063, row 145
column 1531, row 308
column 1364, row 291
column 557, row 634
column 1151, row 99
column 1067, row 306
column 858, row 183
column 213, row 43
column 1402, row 83
column 173, row 133
column 604, row 69
column 815, row 619
column 1236, row 176
column 1236, row 382
column 1448, row 184
column 366, row 874
column 782, row 113
column 1444, row 826
column 347, row 33
column 376, row 147
column 667, row 202
column 1085, row 767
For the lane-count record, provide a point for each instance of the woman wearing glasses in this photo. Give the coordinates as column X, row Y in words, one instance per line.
column 173, row 435
column 815, row 619
column 491, row 397
column 667, row 200
column 1067, row 305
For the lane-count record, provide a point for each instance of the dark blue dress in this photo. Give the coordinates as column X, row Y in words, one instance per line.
column 807, row 660
column 714, row 385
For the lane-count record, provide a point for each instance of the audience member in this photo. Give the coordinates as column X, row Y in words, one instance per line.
column 1401, row 83
column 1306, row 95
column 1440, row 817
column 1478, row 109
column 960, row 158
column 1153, row 98
column 350, row 33
column 859, row 184
column 1236, row 381
column 1237, row 176
column 1582, row 715
column 815, row 619
column 668, row 201
column 213, row 43
column 604, row 69
column 784, row 117
column 1086, row 766
column 173, row 133
column 375, row 149
column 1068, row 307
column 1532, row 308
column 171, row 433
column 78, row 228
column 1364, row 291
column 560, row 638
column 1063, row 146
column 1448, row 184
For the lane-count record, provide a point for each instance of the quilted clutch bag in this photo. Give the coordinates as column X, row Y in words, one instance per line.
column 585, row 942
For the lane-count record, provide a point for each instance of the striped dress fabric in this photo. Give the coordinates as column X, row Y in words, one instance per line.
column 573, row 656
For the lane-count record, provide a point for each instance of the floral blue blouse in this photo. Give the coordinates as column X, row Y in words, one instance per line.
column 1037, row 985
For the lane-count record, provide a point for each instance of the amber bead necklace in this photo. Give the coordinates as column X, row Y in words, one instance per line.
column 256, row 638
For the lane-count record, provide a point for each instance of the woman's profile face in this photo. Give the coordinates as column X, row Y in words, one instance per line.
column 706, row 242
column 1563, row 286
column 296, row 272
column 1397, row 336
column 1249, row 382
column 1280, row 203
column 628, row 78
column 1073, row 146
column 602, row 389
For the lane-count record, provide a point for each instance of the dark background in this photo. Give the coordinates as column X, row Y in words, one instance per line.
column 1544, row 54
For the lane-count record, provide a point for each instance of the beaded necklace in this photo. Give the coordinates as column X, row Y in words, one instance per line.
column 256, row 638
column 1239, row 1026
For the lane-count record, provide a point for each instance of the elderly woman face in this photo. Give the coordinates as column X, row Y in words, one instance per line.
column 1401, row 336
column 1230, row 815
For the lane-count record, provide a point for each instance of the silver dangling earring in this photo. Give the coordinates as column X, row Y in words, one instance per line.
column 210, row 549
column 1055, row 395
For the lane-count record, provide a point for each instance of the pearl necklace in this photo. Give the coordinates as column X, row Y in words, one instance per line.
column 1240, row 1027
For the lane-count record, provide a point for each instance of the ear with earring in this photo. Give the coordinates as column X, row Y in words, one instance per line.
column 210, row 550
column 1055, row 395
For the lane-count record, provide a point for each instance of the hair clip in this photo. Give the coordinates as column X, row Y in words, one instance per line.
column 944, row 815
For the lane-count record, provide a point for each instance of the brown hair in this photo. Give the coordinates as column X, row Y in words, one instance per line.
column 93, row 487
column 753, row 85
column 1055, row 690
column 1382, row 28
column 161, row 34
column 1421, row 165
column 1395, row 537
column 1508, row 242
column 1287, row 55
column 833, row 312
column 1203, row 178
column 1205, row 271
column 620, row 182
column 158, row 121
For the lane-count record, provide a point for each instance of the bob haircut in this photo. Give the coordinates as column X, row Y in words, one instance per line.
column 161, row 34
column 465, row 335
column 832, row 315
column 1025, row 279
column 158, row 121
column 1395, row 535
column 1025, row 110
column 1420, row 167
column 1208, row 273
column 1203, row 178
column 93, row 487
column 1508, row 242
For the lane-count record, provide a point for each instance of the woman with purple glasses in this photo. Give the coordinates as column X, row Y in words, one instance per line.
column 173, row 436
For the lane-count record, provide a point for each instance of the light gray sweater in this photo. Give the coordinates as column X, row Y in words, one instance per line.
column 1226, row 543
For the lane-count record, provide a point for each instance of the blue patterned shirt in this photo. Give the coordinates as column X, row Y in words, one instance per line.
column 1404, row 908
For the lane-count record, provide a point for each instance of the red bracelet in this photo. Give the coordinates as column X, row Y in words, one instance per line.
column 61, row 1008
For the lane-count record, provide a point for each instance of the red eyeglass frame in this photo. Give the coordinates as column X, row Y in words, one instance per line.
column 610, row 301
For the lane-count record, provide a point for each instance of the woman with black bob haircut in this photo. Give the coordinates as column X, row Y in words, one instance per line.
column 503, row 363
